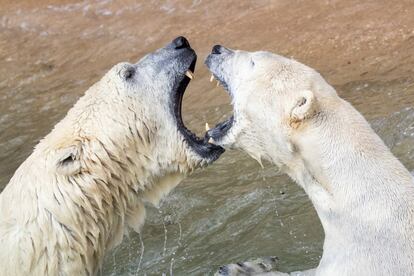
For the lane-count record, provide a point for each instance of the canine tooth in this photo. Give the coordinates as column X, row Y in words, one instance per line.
column 211, row 78
column 207, row 127
column 217, row 84
column 189, row 74
column 211, row 141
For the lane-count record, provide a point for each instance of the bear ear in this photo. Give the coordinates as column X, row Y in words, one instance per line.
column 304, row 107
column 127, row 72
column 68, row 160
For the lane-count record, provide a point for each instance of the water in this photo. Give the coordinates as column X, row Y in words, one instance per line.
column 233, row 210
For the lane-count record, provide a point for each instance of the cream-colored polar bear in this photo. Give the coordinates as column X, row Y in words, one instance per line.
column 122, row 144
column 287, row 113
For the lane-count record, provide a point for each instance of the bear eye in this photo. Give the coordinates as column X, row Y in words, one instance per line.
column 127, row 72
column 252, row 62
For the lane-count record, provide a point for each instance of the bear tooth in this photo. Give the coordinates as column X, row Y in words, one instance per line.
column 217, row 84
column 207, row 127
column 211, row 78
column 189, row 74
column 211, row 141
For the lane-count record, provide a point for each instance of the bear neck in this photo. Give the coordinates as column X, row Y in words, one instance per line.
column 118, row 176
column 355, row 183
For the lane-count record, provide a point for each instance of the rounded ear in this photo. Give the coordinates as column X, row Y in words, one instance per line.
column 127, row 71
column 304, row 108
column 68, row 160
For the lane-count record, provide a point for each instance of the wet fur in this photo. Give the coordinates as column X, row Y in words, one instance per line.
column 86, row 182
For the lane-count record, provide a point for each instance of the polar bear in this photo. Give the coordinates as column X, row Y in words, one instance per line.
column 285, row 112
column 122, row 144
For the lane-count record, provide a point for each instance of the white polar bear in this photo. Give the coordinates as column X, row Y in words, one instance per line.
column 287, row 113
column 122, row 144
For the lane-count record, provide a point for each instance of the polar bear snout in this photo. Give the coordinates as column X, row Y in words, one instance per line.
column 170, row 63
column 219, row 62
column 180, row 42
column 173, row 67
column 218, row 49
column 218, row 54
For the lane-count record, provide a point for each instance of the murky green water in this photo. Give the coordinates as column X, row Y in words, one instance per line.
column 231, row 211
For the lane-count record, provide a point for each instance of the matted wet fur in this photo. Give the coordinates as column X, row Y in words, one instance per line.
column 122, row 144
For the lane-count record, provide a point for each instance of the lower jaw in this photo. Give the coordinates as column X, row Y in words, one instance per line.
column 204, row 152
column 220, row 131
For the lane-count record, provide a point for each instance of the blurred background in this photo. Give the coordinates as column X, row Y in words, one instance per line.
column 52, row 51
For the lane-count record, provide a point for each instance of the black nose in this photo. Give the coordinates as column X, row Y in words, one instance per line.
column 217, row 49
column 180, row 43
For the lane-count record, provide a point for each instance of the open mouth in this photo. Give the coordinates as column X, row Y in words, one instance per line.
column 215, row 135
column 201, row 146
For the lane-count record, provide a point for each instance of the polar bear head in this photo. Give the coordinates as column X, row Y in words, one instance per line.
column 272, row 97
column 129, row 123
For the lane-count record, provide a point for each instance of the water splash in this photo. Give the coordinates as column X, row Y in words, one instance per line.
column 166, row 219
column 141, row 255
column 180, row 234
column 171, row 266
